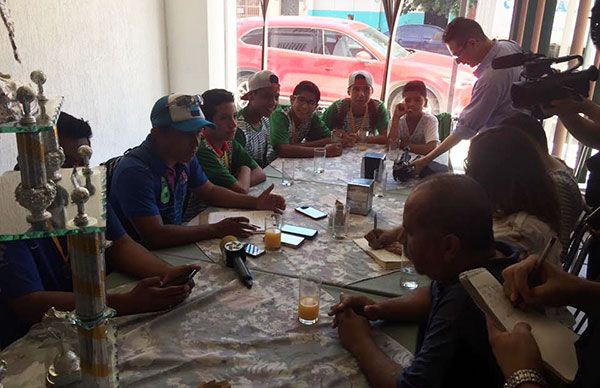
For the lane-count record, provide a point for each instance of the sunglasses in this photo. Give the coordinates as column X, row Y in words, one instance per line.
column 186, row 101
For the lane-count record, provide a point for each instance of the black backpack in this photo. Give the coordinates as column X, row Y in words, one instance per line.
column 111, row 164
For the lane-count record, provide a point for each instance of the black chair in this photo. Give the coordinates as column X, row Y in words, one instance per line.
column 579, row 244
column 578, row 252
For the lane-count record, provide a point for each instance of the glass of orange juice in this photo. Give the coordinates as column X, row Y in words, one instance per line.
column 273, row 232
column 309, row 300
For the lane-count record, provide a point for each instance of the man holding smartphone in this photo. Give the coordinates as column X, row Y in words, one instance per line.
column 36, row 275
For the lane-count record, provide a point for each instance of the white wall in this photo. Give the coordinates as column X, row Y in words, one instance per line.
column 107, row 57
column 495, row 17
column 202, row 51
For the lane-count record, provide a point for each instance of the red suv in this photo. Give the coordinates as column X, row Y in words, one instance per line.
column 326, row 51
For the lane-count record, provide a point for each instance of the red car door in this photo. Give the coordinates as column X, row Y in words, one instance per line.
column 293, row 52
column 341, row 56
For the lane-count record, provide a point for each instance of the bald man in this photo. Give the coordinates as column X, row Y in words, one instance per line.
column 445, row 232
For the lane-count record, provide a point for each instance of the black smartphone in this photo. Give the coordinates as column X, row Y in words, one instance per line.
column 291, row 241
column 180, row 281
column 299, row 231
column 313, row 213
column 253, row 250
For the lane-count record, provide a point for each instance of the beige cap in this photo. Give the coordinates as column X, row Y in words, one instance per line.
column 261, row 79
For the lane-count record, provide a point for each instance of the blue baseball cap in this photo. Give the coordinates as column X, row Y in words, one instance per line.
column 180, row 111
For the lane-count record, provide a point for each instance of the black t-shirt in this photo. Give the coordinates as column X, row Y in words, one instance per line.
column 455, row 351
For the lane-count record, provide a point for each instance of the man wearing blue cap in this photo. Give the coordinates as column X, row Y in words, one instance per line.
column 149, row 184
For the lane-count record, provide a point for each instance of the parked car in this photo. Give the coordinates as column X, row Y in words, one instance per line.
column 327, row 50
column 424, row 37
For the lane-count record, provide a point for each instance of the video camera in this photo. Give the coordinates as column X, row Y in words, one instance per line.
column 543, row 83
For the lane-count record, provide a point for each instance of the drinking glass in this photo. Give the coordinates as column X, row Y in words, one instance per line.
column 319, row 160
column 309, row 296
column 273, row 232
column 288, row 169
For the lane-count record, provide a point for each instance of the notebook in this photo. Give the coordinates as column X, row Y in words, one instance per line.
column 386, row 259
column 556, row 342
column 256, row 217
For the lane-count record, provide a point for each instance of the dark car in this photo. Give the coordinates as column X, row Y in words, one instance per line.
column 424, row 37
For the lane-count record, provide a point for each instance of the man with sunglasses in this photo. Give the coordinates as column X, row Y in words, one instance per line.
column 149, row 184
column 253, row 119
column 490, row 99
column 297, row 129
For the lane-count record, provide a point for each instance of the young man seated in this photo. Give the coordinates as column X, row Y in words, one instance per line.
column 36, row 275
column 412, row 127
column 360, row 115
column 297, row 129
column 149, row 184
column 72, row 133
column 445, row 233
column 223, row 159
column 253, row 119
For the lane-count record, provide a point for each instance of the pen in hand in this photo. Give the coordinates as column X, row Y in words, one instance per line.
column 533, row 279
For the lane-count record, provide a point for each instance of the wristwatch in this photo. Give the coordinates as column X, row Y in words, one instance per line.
column 524, row 376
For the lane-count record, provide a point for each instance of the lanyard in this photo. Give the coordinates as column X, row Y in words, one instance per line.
column 363, row 123
column 165, row 191
column 60, row 249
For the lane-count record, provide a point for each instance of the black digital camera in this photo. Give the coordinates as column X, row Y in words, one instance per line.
column 403, row 170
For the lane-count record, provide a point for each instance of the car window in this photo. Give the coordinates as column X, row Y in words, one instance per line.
column 408, row 32
column 295, row 39
column 437, row 36
column 253, row 37
column 427, row 32
column 378, row 40
column 341, row 45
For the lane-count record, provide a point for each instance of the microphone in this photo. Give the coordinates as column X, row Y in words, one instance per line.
column 511, row 60
column 235, row 257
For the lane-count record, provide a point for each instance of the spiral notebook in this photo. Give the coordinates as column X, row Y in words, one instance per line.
column 556, row 342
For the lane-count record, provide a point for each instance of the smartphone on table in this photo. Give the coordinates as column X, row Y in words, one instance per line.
column 311, row 212
column 253, row 250
column 289, row 240
column 299, row 231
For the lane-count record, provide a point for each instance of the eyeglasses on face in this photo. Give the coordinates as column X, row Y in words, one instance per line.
column 305, row 101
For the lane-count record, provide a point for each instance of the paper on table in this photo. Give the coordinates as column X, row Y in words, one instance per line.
column 556, row 342
column 256, row 217
column 385, row 259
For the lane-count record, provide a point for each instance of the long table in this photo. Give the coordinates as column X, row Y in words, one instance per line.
column 224, row 331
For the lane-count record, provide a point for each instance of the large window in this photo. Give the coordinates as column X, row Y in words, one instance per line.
column 294, row 39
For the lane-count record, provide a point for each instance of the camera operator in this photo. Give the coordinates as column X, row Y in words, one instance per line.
column 515, row 350
column 490, row 99
column 586, row 129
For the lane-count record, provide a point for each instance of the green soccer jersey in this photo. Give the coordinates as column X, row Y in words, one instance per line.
column 339, row 116
column 285, row 131
column 222, row 166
